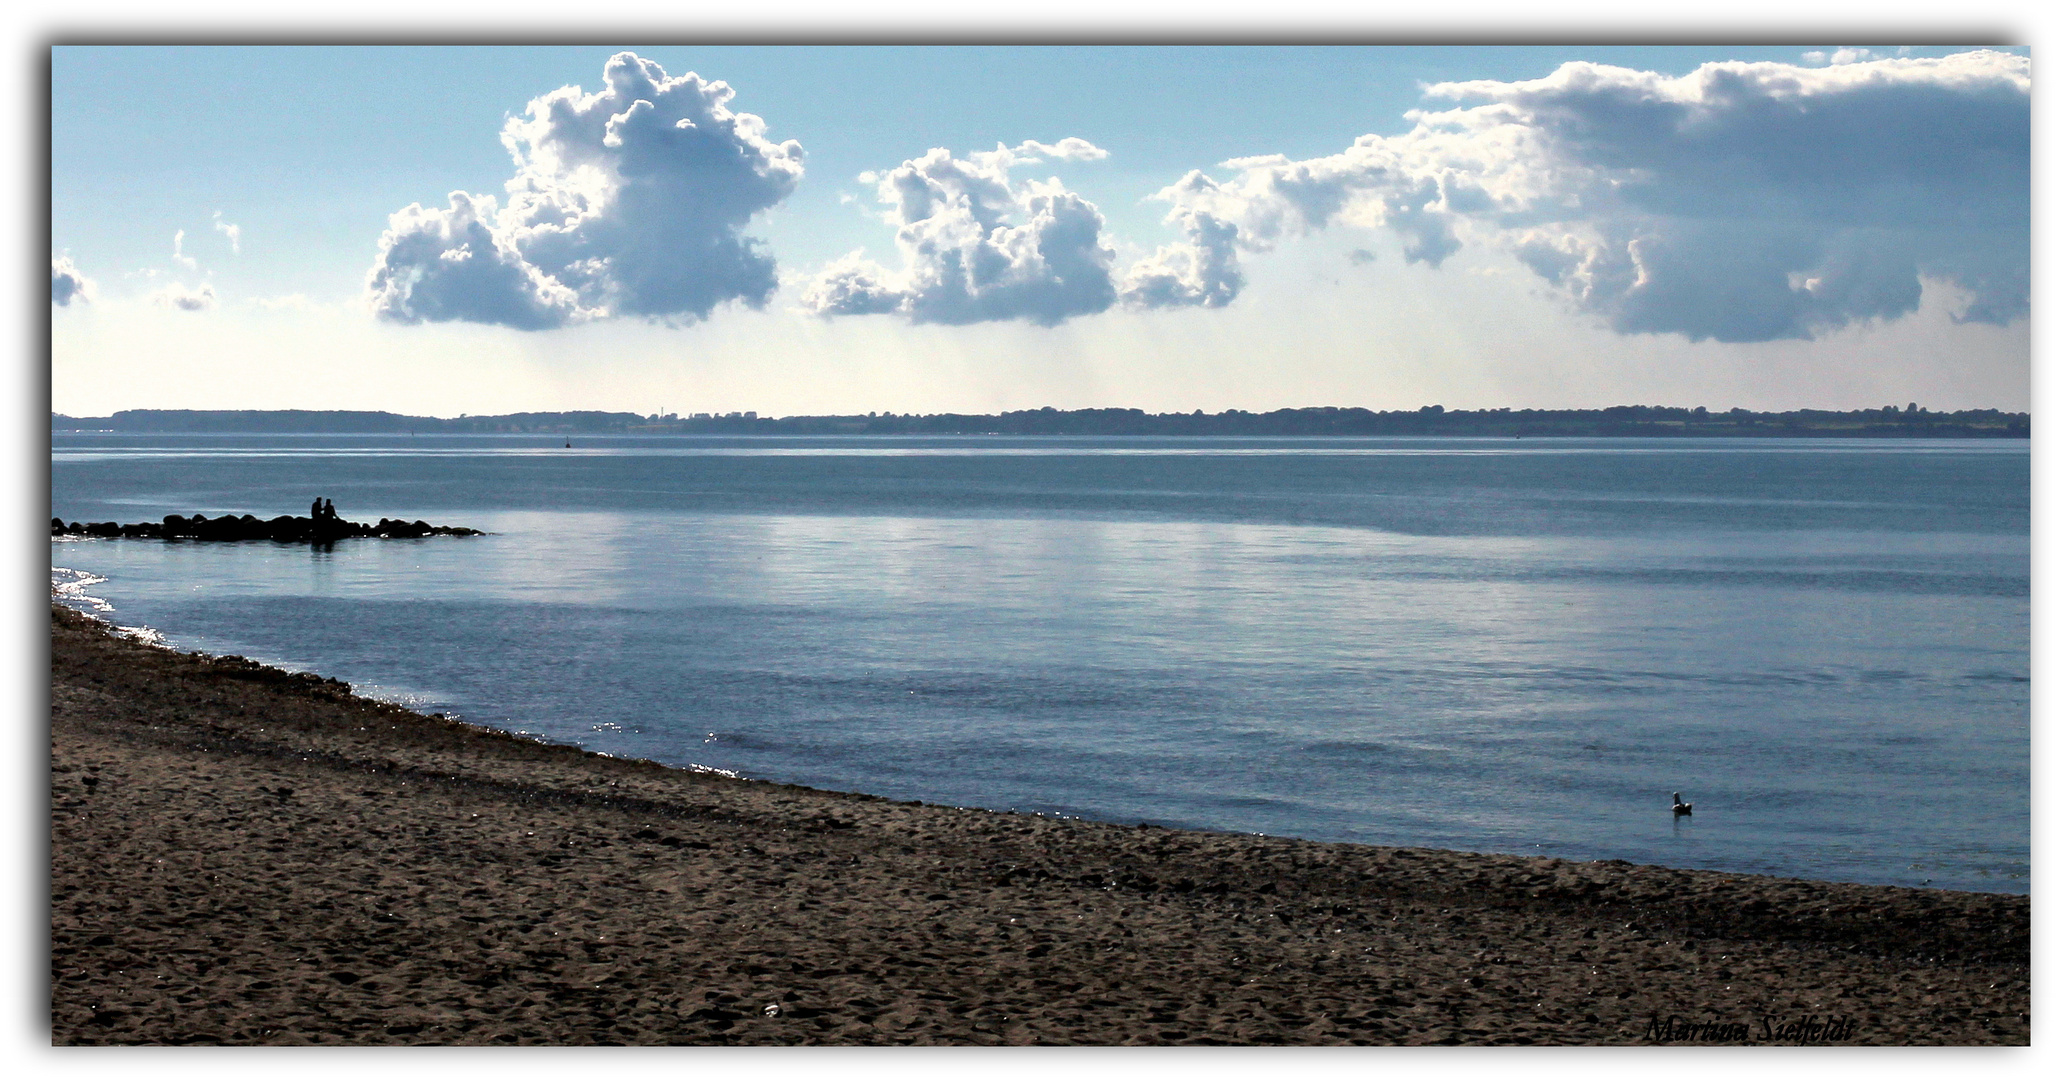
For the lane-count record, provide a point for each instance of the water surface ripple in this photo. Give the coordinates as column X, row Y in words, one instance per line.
column 1508, row 645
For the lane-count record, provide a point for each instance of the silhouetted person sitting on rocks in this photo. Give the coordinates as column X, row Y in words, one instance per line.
column 322, row 523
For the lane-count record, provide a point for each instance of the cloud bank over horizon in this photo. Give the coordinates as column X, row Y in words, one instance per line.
column 1743, row 202
column 629, row 201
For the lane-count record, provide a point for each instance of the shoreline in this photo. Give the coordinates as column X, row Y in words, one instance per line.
column 244, row 855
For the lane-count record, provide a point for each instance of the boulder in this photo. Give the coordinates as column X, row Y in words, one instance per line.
column 285, row 527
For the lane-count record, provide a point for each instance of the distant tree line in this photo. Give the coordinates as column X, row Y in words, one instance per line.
column 339, row 422
column 1619, row 420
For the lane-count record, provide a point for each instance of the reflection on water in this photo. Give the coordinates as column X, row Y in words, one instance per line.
column 1842, row 691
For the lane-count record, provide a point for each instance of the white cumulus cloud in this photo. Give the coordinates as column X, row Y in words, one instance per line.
column 67, row 284
column 179, row 251
column 975, row 245
column 1202, row 271
column 1740, row 202
column 628, row 201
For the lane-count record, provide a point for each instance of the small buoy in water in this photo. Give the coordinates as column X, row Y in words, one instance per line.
column 1681, row 809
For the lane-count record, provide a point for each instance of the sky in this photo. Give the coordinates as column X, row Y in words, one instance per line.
column 308, row 154
column 642, row 227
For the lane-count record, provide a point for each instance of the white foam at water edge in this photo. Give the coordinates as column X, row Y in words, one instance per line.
column 69, row 586
column 410, row 699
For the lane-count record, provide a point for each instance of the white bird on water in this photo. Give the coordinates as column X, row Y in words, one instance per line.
column 1681, row 809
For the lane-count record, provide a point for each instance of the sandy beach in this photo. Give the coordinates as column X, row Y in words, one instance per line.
column 243, row 855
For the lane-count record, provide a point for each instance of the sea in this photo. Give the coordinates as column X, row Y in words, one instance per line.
column 1501, row 645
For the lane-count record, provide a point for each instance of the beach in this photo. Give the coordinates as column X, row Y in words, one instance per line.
column 249, row 856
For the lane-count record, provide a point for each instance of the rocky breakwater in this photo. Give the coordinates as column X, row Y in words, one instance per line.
column 249, row 527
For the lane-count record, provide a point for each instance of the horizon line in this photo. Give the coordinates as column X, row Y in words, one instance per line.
column 1911, row 408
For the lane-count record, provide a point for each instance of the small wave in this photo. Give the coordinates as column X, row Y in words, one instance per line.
column 67, row 574
column 69, row 586
column 143, row 635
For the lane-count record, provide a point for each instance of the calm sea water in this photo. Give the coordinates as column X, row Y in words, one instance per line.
column 1498, row 645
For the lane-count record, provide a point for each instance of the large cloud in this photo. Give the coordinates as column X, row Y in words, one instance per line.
column 1203, row 271
column 976, row 246
column 1742, row 202
column 67, row 284
column 627, row 201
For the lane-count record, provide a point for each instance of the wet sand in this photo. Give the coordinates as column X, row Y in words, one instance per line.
column 242, row 855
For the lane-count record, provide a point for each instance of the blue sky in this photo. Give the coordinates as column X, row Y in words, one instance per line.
column 1167, row 228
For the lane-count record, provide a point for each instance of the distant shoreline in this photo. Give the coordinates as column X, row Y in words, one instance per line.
column 1621, row 421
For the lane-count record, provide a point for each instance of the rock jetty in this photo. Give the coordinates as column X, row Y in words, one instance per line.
column 249, row 527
